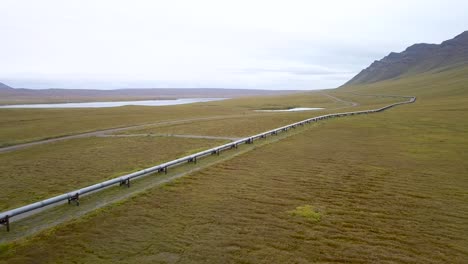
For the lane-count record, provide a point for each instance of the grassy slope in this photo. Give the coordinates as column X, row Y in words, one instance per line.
column 388, row 187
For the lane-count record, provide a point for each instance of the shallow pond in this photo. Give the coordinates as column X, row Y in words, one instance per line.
column 297, row 109
column 116, row 103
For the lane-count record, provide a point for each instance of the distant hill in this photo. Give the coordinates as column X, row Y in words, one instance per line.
column 418, row 58
column 10, row 95
column 4, row 86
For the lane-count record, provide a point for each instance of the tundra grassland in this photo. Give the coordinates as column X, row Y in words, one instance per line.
column 28, row 225
column 40, row 172
column 387, row 187
column 26, row 125
column 253, row 124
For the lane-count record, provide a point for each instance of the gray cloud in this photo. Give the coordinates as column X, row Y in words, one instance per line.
column 297, row 44
column 295, row 71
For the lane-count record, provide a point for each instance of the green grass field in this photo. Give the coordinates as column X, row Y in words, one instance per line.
column 386, row 187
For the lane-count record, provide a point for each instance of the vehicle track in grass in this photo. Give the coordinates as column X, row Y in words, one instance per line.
column 172, row 135
column 110, row 131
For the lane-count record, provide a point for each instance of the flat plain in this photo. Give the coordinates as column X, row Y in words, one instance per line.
column 40, row 172
column 386, row 187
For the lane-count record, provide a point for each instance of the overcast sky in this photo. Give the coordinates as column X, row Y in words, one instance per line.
column 230, row 44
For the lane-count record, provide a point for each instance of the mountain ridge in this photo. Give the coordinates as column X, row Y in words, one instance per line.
column 415, row 59
column 4, row 86
column 10, row 95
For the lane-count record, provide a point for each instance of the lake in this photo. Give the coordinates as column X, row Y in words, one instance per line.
column 116, row 103
column 297, row 109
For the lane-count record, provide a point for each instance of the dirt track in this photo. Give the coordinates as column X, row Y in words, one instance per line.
column 110, row 131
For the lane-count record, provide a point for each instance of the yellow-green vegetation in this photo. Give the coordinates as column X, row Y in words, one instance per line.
column 444, row 85
column 26, row 125
column 252, row 124
column 231, row 127
column 392, row 186
column 40, row 172
column 117, row 194
column 306, row 211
